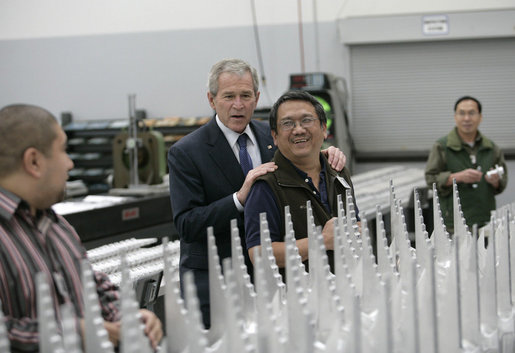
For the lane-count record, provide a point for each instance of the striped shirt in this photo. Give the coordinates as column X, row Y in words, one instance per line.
column 46, row 243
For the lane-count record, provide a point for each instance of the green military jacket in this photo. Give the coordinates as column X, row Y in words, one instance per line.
column 450, row 154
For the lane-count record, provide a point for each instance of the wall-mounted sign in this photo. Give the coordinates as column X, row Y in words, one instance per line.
column 435, row 25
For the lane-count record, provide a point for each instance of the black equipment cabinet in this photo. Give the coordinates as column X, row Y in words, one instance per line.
column 90, row 144
column 139, row 217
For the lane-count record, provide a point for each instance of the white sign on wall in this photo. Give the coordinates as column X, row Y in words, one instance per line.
column 435, row 25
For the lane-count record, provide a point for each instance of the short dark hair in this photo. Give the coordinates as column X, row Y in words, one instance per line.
column 467, row 98
column 23, row 126
column 297, row 95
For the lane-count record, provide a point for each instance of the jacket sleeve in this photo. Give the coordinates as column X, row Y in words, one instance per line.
column 192, row 211
column 436, row 170
column 501, row 162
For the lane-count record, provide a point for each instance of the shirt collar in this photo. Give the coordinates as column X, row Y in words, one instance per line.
column 232, row 136
column 10, row 202
column 456, row 142
column 303, row 174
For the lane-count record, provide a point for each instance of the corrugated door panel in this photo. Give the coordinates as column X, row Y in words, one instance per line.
column 403, row 94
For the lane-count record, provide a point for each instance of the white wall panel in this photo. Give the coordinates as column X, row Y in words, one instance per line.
column 61, row 18
column 91, row 76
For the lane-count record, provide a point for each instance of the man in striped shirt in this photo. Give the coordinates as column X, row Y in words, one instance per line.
column 34, row 168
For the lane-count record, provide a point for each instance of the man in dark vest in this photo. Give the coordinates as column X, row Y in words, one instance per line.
column 466, row 155
column 298, row 126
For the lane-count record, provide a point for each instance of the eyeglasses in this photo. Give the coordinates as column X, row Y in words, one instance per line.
column 289, row 124
column 471, row 113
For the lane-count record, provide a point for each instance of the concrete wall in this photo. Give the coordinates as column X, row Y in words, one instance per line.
column 92, row 75
column 87, row 56
column 57, row 18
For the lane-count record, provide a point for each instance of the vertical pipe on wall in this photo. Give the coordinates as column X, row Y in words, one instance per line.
column 258, row 49
column 317, row 46
column 301, row 36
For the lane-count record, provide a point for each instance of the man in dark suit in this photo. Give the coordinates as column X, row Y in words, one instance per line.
column 208, row 186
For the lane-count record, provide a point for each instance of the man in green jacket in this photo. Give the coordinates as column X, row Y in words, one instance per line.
column 467, row 156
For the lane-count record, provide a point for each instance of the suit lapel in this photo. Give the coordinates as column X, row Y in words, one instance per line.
column 265, row 141
column 222, row 155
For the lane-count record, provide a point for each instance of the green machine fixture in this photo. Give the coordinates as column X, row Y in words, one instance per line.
column 150, row 154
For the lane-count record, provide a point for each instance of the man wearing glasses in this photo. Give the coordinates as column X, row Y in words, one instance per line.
column 476, row 163
column 298, row 125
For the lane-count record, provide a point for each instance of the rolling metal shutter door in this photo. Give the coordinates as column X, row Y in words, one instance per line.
column 403, row 94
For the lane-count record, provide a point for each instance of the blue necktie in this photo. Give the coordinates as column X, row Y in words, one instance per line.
column 245, row 161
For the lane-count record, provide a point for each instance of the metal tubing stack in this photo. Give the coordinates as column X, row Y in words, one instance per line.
column 443, row 295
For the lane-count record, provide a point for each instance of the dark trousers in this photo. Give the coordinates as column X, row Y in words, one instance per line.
column 201, row 279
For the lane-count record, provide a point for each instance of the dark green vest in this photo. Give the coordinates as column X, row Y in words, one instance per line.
column 290, row 189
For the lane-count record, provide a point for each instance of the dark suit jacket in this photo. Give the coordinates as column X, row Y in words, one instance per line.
column 204, row 174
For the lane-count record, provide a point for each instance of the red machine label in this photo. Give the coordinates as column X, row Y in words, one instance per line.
column 130, row 213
